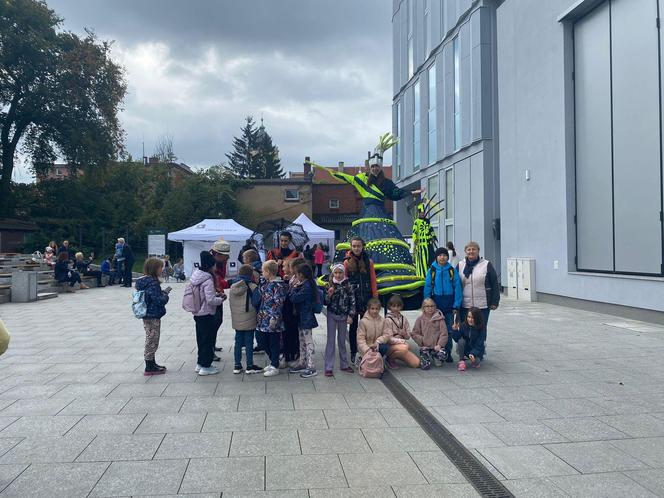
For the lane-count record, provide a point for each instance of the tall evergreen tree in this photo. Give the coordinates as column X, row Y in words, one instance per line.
column 243, row 160
column 268, row 155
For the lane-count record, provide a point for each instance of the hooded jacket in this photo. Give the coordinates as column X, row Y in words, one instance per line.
column 398, row 326
column 429, row 333
column 370, row 331
column 474, row 340
column 443, row 285
column 303, row 296
column 155, row 298
column 340, row 298
column 243, row 313
column 203, row 282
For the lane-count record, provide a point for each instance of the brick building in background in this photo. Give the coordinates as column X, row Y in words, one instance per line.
column 335, row 204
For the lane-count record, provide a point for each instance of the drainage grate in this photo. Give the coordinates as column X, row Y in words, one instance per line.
column 477, row 474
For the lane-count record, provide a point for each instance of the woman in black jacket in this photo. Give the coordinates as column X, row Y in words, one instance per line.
column 65, row 274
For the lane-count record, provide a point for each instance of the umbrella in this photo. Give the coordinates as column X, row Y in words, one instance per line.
column 270, row 230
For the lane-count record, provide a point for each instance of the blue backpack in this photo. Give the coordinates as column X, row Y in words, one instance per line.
column 138, row 304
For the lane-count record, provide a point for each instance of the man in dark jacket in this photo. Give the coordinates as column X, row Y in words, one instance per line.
column 128, row 255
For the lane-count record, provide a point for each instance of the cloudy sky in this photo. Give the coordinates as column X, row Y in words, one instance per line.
column 318, row 71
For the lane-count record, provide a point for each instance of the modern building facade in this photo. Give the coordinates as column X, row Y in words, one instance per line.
column 540, row 124
column 444, row 113
column 580, row 100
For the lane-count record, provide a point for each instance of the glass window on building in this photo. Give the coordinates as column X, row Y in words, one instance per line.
column 398, row 150
column 416, row 126
column 427, row 28
column 432, row 193
column 449, row 195
column 449, row 235
column 411, row 52
column 457, row 95
column 432, row 115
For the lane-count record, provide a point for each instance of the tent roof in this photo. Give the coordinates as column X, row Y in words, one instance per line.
column 212, row 229
column 313, row 230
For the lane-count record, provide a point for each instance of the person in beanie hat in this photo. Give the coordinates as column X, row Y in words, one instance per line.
column 221, row 251
column 443, row 285
column 340, row 301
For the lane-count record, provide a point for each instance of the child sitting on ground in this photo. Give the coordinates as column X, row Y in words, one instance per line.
column 471, row 338
column 371, row 331
column 340, row 301
column 243, row 317
column 430, row 334
column 272, row 294
column 399, row 329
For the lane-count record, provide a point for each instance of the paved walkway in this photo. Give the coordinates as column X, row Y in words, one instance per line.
column 567, row 403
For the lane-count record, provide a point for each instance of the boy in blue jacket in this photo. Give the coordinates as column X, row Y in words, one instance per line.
column 443, row 285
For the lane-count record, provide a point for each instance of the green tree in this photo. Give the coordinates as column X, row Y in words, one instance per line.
column 269, row 164
column 243, row 161
column 59, row 93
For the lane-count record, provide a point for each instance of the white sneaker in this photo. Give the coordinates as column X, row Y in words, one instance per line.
column 198, row 368
column 271, row 372
column 208, row 371
column 267, row 367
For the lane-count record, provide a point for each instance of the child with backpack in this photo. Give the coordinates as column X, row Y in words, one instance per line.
column 471, row 339
column 372, row 337
column 443, row 285
column 202, row 299
column 430, row 334
column 243, row 317
column 155, row 308
column 291, row 334
column 340, row 301
column 399, row 329
column 272, row 293
column 305, row 296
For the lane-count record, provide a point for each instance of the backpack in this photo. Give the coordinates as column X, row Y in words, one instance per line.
column 138, row 304
column 318, row 305
column 372, row 365
column 433, row 278
column 191, row 301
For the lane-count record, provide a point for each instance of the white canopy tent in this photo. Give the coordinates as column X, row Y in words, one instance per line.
column 200, row 237
column 317, row 235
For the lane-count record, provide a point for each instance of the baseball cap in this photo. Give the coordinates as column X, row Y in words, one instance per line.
column 222, row 247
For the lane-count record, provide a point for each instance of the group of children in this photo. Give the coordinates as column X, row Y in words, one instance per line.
column 276, row 304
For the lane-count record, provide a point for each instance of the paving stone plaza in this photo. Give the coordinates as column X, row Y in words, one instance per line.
column 567, row 403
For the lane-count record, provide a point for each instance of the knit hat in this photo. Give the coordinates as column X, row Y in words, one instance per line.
column 222, row 247
column 442, row 250
column 337, row 266
column 207, row 260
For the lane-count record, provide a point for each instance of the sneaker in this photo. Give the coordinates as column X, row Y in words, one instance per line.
column 253, row 369
column 461, row 367
column 348, row 370
column 208, row 371
column 237, row 369
column 267, row 367
column 198, row 368
column 328, row 373
column 297, row 369
column 308, row 372
column 271, row 372
column 392, row 363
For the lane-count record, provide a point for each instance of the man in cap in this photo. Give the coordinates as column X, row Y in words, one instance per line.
column 221, row 251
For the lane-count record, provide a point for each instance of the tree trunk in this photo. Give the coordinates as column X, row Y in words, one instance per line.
column 5, row 181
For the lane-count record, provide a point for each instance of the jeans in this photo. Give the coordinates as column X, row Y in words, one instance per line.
column 261, row 341
column 449, row 321
column 127, row 273
column 244, row 338
column 73, row 280
column 336, row 326
column 273, row 340
column 205, row 334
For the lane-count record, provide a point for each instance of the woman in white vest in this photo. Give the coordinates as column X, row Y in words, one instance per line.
column 479, row 281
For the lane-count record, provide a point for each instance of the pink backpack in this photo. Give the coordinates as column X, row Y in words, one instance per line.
column 191, row 301
column 372, row 365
